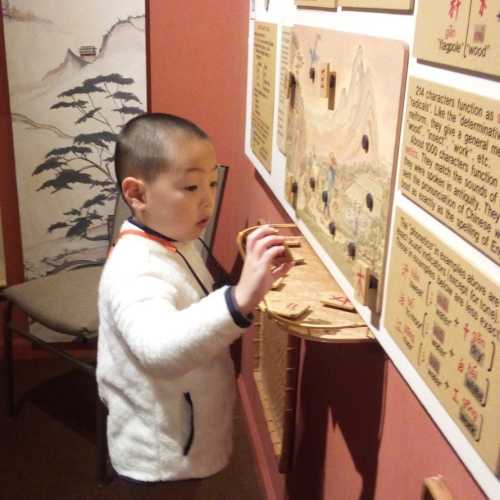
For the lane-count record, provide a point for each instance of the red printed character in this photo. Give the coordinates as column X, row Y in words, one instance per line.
column 482, row 7
column 477, row 338
column 461, row 365
column 454, row 8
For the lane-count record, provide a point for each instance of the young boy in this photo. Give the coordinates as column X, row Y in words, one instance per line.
column 163, row 365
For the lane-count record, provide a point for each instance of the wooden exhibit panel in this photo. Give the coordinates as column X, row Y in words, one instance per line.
column 460, row 33
column 444, row 316
column 319, row 4
column 276, row 374
column 286, row 37
column 397, row 5
column 264, row 60
column 450, row 164
column 341, row 144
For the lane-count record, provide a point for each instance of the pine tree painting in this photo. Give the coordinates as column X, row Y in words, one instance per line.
column 88, row 160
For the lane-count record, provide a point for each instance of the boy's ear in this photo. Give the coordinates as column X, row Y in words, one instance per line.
column 134, row 192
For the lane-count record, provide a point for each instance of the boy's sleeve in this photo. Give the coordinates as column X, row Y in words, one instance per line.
column 240, row 319
column 165, row 338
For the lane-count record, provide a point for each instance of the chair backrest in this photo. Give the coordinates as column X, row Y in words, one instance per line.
column 208, row 234
column 121, row 213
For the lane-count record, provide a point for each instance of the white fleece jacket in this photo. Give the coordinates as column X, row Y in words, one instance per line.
column 160, row 338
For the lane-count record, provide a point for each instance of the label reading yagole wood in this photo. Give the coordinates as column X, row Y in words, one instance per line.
column 451, row 161
column 461, row 33
column 264, row 60
column 444, row 315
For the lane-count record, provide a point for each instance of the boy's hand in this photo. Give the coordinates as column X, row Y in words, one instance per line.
column 263, row 247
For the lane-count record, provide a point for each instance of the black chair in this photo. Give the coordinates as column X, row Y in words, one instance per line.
column 66, row 303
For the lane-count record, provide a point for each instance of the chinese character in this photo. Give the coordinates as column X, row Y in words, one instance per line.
column 454, row 8
column 479, row 33
column 466, row 330
column 450, row 32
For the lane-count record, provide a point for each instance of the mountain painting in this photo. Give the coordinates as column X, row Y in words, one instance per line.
column 341, row 140
column 77, row 73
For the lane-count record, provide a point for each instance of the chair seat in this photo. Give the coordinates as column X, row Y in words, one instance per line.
column 65, row 302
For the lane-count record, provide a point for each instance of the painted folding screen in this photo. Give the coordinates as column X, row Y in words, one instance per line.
column 77, row 73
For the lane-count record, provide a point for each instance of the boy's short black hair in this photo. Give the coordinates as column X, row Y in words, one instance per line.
column 142, row 148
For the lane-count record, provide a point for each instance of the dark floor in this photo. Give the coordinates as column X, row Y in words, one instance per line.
column 48, row 450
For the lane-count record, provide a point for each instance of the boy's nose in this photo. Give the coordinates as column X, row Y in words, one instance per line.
column 208, row 200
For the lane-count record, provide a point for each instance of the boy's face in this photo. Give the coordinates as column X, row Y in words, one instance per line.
column 180, row 201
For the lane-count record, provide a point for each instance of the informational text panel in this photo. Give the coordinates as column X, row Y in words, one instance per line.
column 264, row 73
column 450, row 164
column 443, row 314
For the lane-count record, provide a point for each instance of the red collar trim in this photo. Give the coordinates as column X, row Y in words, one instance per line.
column 168, row 245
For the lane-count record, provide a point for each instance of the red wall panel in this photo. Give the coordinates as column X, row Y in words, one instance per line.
column 8, row 190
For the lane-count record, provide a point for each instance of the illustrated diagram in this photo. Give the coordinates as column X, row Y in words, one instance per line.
column 344, row 97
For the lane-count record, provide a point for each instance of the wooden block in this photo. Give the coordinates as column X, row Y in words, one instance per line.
column 361, row 280
column 337, row 301
column 291, row 310
column 323, row 80
column 297, row 258
column 293, row 241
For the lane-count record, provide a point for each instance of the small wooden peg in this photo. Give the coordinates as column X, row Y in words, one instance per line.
column 332, row 84
column 361, row 280
column 292, row 86
column 323, row 80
